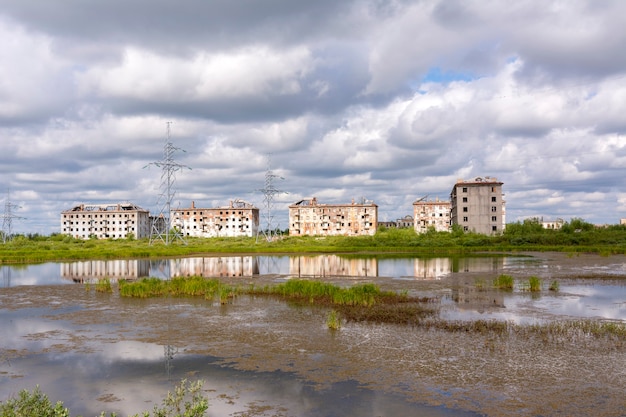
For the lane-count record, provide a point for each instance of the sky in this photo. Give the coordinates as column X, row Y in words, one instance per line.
column 388, row 101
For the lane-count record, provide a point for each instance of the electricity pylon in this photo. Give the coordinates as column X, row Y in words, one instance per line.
column 7, row 219
column 161, row 226
column 269, row 192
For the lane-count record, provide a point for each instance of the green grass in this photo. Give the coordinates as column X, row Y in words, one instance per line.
column 186, row 400
column 504, row 282
column 534, row 284
column 526, row 237
column 333, row 320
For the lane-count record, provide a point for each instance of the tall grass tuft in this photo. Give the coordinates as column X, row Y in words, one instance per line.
column 504, row 282
column 333, row 320
column 104, row 285
column 534, row 284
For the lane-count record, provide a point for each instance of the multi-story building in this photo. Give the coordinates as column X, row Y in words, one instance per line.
column 239, row 218
column 431, row 214
column 308, row 217
column 405, row 222
column 477, row 205
column 106, row 221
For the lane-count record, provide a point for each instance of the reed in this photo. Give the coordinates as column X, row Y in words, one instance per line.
column 104, row 285
column 504, row 282
column 534, row 284
column 333, row 320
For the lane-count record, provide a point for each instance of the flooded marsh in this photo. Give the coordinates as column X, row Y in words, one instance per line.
column 485, row 352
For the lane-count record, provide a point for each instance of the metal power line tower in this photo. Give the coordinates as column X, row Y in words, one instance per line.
column 7, row 219
column 269, row 192
column 161, row 226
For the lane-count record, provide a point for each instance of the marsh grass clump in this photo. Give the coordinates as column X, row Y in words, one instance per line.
column 504, row 282
column 178, row 287
column 333, row 320
column 534, row 283
column 365, row 295
column 104, row 285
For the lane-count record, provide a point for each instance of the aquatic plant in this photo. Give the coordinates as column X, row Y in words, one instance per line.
column 504, row 282
column 534, row 284
column 333, row 320
column 104, row 285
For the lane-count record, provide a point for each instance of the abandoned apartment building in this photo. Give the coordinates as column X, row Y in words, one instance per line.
column 239, row 218
column 478, row 206
column 433, row 215
column 308, row 217
column 104, row 221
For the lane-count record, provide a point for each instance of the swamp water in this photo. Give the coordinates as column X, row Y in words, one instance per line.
column 263, row 357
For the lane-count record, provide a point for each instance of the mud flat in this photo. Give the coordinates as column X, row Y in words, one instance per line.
column 513, row 373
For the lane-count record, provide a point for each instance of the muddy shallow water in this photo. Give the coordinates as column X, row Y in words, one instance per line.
column 265, row 357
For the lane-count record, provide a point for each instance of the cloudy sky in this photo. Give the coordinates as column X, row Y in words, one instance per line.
column 384, row 100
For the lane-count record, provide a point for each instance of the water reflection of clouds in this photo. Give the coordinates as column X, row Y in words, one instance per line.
column 587, row 301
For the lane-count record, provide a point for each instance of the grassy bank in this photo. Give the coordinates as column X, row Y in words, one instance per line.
column 579, row 237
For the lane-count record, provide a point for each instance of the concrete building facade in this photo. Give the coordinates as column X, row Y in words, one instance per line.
column 431, row 214
column 238, row 219
column 106, row 221
column 308, row 217
column 478, row 205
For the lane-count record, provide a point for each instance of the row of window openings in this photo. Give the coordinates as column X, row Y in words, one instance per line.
column 108, row 222
column 217, row 219
column 493, row 199
column 494, row 209
column 366, row 224
column 241, row 226
column 95, row 229
column 493, row 189
column 493, row 219
column 195, row 213
column 89, row 216
column 493, row 228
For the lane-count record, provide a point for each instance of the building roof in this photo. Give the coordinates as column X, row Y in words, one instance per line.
column 106, row 207
column 312, row 201
column 478, row 181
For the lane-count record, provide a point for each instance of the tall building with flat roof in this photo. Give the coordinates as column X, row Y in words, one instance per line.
column 308, row 217
column 431, row 214
column 237, row 219
column 105, row 221
column 478, row 205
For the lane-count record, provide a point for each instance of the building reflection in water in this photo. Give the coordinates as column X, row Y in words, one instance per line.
column 332, row 265
column 87, row 271
column 219, row 266
column 295, row 266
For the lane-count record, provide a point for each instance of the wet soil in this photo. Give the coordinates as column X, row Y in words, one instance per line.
column 493, row 374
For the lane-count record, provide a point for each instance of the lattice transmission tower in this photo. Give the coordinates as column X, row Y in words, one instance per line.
column 7, row 218
column 161, row 226
column 270, row 232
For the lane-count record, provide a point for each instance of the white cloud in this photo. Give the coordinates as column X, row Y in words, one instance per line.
column 149, row 76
